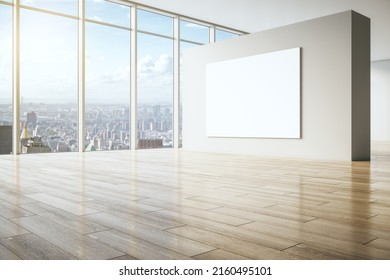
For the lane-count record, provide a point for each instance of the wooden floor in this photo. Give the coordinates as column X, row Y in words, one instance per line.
column 167, row 204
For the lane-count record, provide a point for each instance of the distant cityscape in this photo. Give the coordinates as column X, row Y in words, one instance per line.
column 54, row 127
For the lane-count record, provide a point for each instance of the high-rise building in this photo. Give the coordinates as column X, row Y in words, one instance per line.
column 32, row 118
column 5, row 139
column 156, row 110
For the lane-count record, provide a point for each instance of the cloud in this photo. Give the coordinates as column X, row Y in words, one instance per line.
column 155, row 79
column 146, row 64
column 155, row 73
column 162, row 65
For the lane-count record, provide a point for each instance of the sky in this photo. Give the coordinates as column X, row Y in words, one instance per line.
column 5, row 54
column 49, row 58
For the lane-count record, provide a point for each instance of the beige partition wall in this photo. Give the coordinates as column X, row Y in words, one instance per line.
column 335, row 89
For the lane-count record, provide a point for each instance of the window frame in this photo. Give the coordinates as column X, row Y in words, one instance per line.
column 133, row 28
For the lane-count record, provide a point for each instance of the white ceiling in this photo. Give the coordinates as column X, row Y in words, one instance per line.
column 257, row 15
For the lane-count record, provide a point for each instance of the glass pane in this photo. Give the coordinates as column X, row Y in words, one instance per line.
column 194, row 32
column 5, row 79
column 107, row 120
column 105, row 11
column 48, row 74
column 221, row 35
column 183, row 46
column 155, row 91
column 69, row 7
column 154, row 23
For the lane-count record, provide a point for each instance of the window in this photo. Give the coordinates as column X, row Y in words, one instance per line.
column 48, row 73
column 105, row 11
column 49, row 86
column 155, row 91
column 221, row 35
column 107, row 120
column 5, row 65
column 69, row 7
column 154, row 23
column 155, row 80
column 194, row 32
column 5, row 79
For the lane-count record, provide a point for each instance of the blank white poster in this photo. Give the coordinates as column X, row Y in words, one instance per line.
column 255, row 96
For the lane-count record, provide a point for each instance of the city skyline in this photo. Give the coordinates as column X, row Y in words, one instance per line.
column 109, row 124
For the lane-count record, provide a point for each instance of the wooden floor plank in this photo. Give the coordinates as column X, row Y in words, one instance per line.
column 73, row 222
column 9, row 210
column 137, row 217
column 177, row 204
column 182, row 202
column 9, row 229
column 317, row 253
column 15, row 197
column 348, row 247
column 380, row 243
column 259, row 214
column 230, row 244
column 6, row 254
column 76, row 244
column 265, row 240
column 62, row 204
column 164, row 239
column 32, row 247
column 126, row 207
column 136, row 247
column 220, row 255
